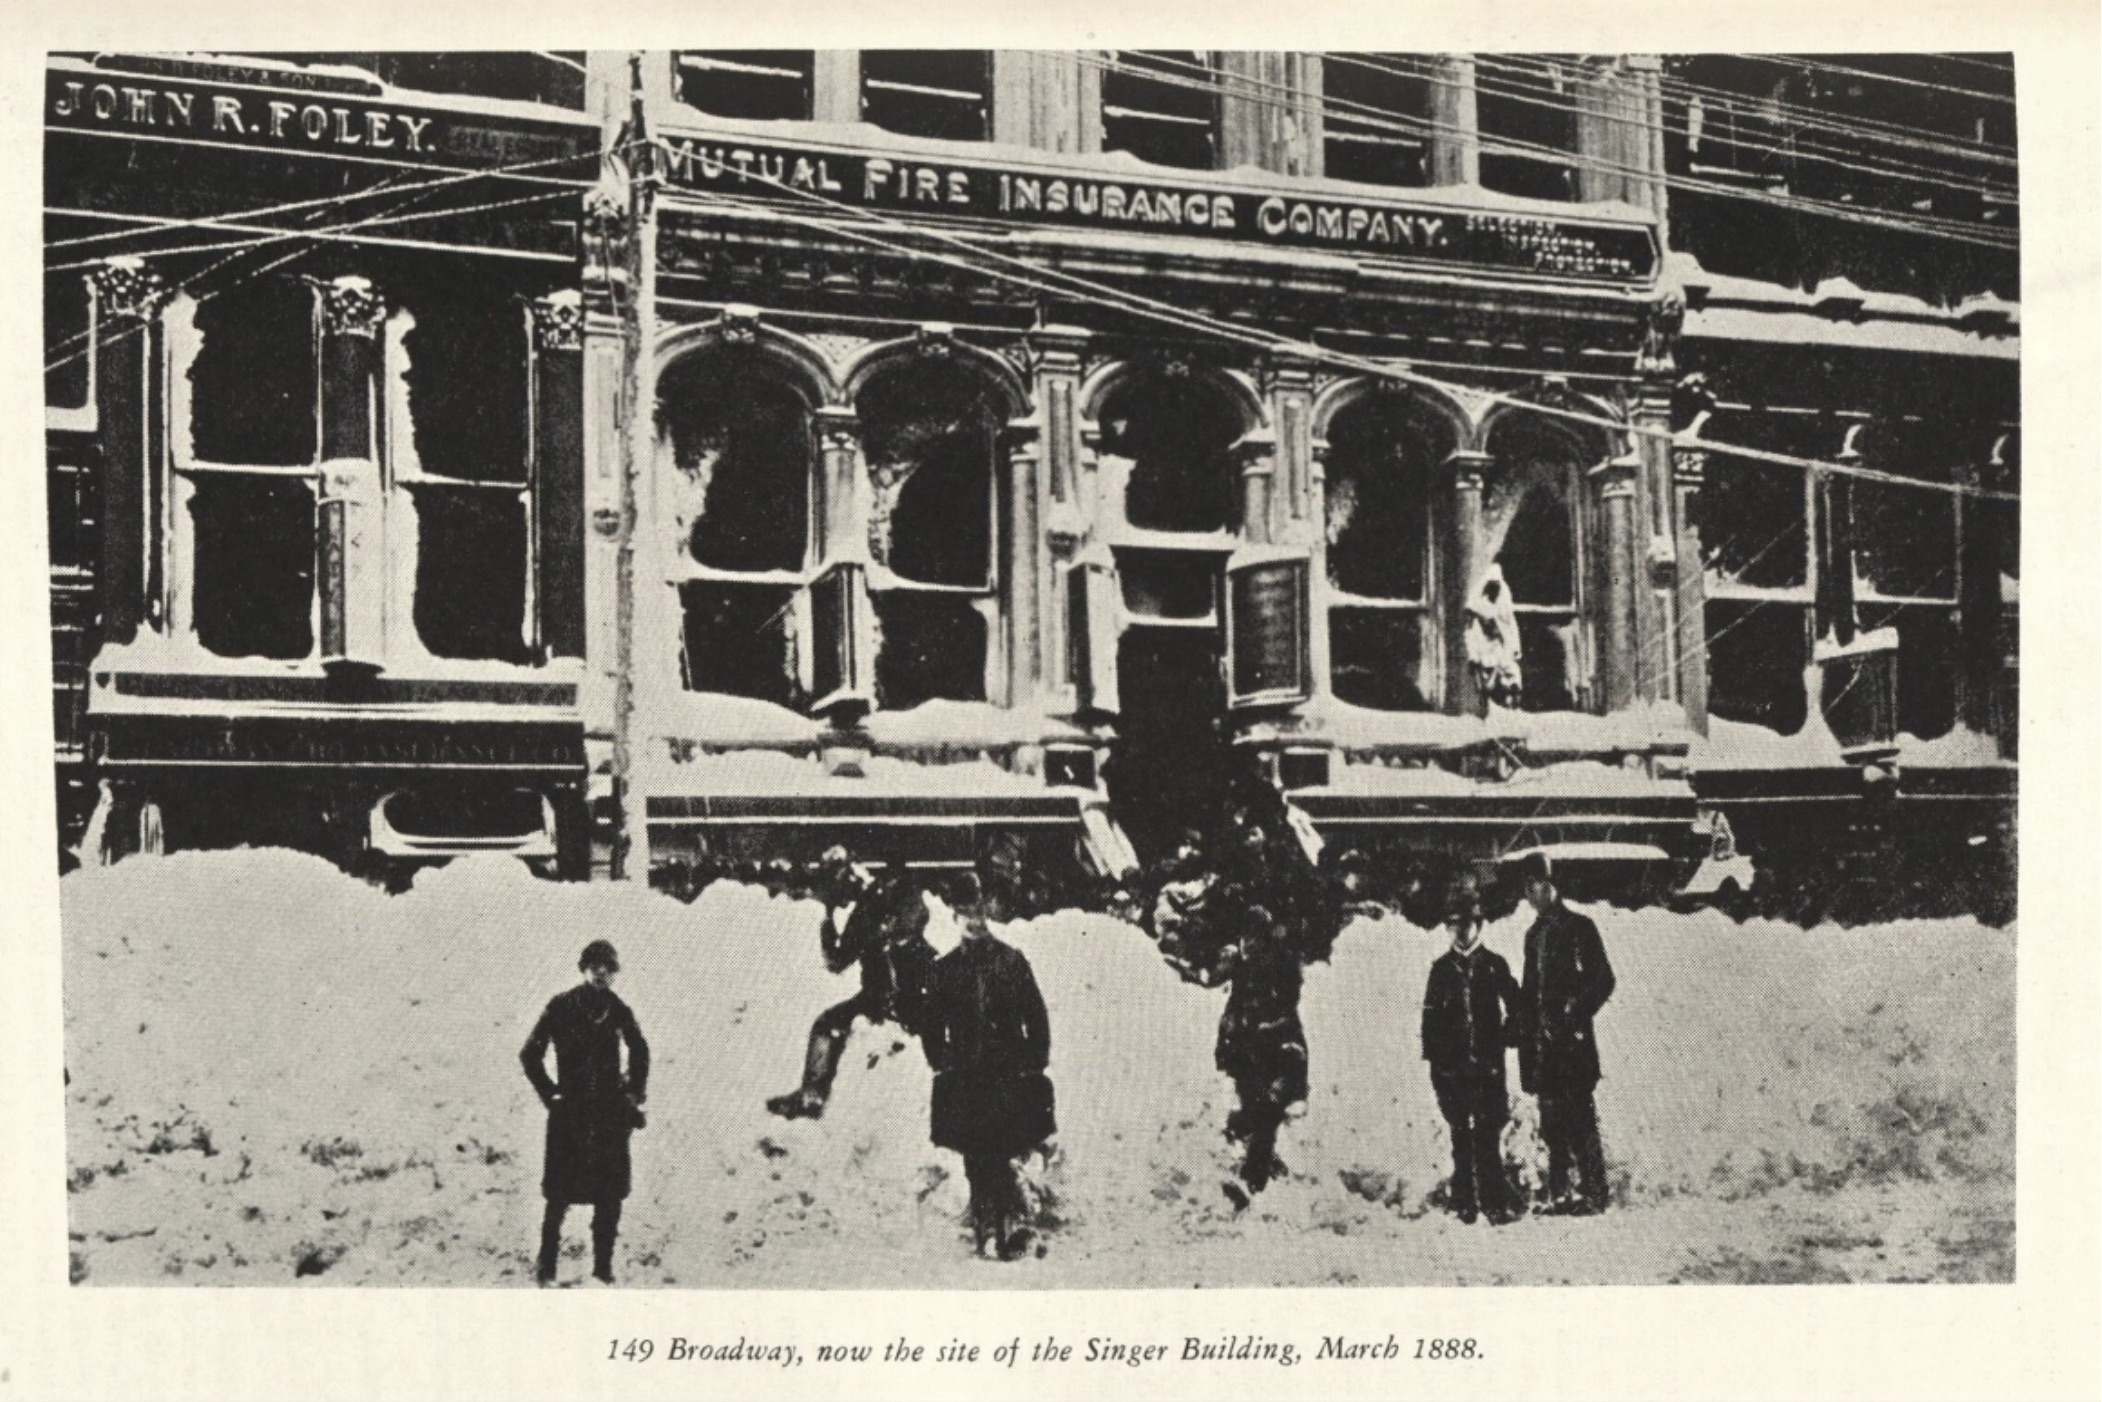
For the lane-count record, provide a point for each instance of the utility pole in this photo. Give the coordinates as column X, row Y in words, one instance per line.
column 630, row 857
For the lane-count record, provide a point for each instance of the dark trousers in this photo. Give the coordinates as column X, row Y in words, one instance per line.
column 605, row 1227
column 1569, row 1125
column 1475, row 1111
column 1255, row 1123
column 996, row 1197
column 828, row 1042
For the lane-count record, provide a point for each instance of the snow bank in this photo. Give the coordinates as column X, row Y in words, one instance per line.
column 275, row 1070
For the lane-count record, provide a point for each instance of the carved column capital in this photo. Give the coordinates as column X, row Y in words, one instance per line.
column 558, row 321
column 126, row 287
column 739, row 325
column 838, row 428
column 351, row 306
column 1468, row 467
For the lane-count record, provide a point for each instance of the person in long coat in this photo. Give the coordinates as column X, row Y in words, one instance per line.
column 1567, row 980
column 988, row 1038
column 885, row 934
column 592, row 1106
column 1470, row 1004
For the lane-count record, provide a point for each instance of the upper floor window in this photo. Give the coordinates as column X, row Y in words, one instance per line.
column 69, row 334
column 1375, row 110
column 760, row 84
column 940, row 93
column 1162, row 107
column 1533, row 521
column 1525, row 106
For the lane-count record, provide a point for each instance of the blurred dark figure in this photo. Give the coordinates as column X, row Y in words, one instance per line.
column 988, row 1038
column 1567, row 981
column 592, row 1108
column 1469, row 1011
column 1262, row 1044
column 885, row 933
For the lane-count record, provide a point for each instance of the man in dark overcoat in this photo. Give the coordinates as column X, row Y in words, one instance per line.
column 885, row 934
column 592, row 1106
column 1469, row 1007
column 988, row 1038
column 1567, row 981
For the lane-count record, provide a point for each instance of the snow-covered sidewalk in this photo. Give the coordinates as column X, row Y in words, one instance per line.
column 277, row 1074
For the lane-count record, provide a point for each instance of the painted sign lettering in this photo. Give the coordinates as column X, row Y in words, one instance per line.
column 1564, row 247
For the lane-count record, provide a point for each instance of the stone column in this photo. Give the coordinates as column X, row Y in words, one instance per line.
column 835, row 85
column 1049, row 101
column 1464, row 565
column 1618, row 662
column 558, row 472
column 1270, row 112
column 1025, row 563
column 842, row 508
column 1319, row 657
column 1256, row 456
column 132, row 431
column 1455, row 156
column 352, row 574
column 1689, row 474
column 1291, row 394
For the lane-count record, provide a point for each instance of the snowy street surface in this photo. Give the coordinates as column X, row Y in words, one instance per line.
column 279, row 1074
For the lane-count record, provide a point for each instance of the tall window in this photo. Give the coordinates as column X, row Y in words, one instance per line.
column 466, row 367
column 929, row 439
column 247, row 448
column 1532, row 517
column 1373, row 123
column 742, row 457
column 1525, row 106
column 1905, row 561
column 1382, row 620
column 1161, row 107
column 1756, row 525
column 760, row 84
column 942, row 93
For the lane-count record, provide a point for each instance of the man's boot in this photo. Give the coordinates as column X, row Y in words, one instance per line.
column 605, row 1230
column 550, row 1244
column 820, row 1065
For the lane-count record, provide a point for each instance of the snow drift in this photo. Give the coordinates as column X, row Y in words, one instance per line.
column 276, row 1072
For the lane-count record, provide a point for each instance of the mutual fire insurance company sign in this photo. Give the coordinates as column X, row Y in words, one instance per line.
column 820, row 179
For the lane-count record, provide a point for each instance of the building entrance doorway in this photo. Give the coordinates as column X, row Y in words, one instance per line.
column 1170, row 768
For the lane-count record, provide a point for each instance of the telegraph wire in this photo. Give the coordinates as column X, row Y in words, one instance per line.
column 1953, row 230
column 1084, row 289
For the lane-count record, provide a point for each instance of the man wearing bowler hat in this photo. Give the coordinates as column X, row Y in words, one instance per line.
column 1567, row 980
column 592, row 1107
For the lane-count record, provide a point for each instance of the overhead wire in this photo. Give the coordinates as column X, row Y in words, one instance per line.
column 1044, row 279
column 1791, row 151
column 1949, row 229
column 414, row 194
column 1851, row 126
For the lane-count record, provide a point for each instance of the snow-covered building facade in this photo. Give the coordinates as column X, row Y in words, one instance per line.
column 314, row 450
column 959, row 454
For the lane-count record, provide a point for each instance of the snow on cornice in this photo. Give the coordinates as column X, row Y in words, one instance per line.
column 1838, row 312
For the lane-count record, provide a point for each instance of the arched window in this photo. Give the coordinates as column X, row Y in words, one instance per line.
column 929, row 435
column 1383, row 457
column 741, row 458
column 1177, row 427
column 1532, row 523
